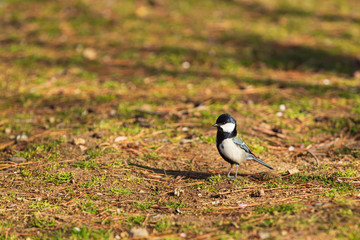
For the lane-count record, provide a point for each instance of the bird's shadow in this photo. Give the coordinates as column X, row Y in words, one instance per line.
column 190, row 174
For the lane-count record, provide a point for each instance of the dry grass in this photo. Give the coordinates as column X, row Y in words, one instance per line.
column 117, row 101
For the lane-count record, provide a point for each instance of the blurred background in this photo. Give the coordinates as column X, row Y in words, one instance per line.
column 103, row 101
column 64, row 60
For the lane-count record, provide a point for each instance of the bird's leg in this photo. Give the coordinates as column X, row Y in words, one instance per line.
column 228, row 175
column 237, row 167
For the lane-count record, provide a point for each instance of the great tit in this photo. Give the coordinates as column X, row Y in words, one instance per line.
column 230, row 145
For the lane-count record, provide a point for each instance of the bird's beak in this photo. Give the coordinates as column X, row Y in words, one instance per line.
column 216, row 125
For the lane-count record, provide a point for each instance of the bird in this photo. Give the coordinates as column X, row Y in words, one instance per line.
column 231, row 146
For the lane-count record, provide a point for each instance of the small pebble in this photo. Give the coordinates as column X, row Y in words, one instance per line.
column 90, row 53
column 119, row 139
column 112, row 112
column 293, row 170
column 52, row 119
column 83, row 148
column 282, row 107
column 261, row 193
column 124, row 235
column 139, row 233
column 178, row 191
column 7, row 130
column 185, row 65
column 79, row 141
column 183, row 235
column 291, row 148
column 22, row 137
column 157, row 216
column 264, row 234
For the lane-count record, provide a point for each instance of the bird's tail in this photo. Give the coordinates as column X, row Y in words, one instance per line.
column 252, row 157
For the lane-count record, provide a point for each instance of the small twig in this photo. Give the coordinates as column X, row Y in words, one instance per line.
column 312, row 154
column 146, row 220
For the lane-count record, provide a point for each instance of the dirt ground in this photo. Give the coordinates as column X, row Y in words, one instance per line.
column 107, row 107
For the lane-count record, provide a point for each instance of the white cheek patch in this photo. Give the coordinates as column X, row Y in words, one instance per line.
column 228, row 127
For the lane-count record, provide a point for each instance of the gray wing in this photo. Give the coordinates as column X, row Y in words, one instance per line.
column 239, row 142
column 249, row 155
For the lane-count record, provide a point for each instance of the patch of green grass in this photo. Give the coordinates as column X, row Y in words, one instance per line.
column 111, row 85
column 88, row 233
column 97, row 152
column 348, row 172
column 282, row 208
column 276, row 183
column 41, row 223
column 256, row 145
column 343, row 125
column 87, row 164
column 349, row 232
column 346, row 150
column 337, row 187
column 87, row 206
column 121, row 191
column 143, row 205
column 104, row 98
column 208, row 139
column 138, row 220
column 163, row 225
column 87, row 75
column 152, row 156
column 94, row 181
column 175, row 205
column 41, row 205
column 91, row 197
column 243, row 182
column 50, row 150
column 190, row 228
column 215, row 178
column 345, row 212
column 267, row 222
column 59, row 178
column 24, row 173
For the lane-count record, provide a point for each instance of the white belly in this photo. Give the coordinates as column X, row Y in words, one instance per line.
column 230, row 150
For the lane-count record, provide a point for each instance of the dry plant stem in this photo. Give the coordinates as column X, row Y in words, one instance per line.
column 314, row 156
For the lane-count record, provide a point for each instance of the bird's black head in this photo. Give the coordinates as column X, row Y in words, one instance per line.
column 223, row 119
column 226, row 126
